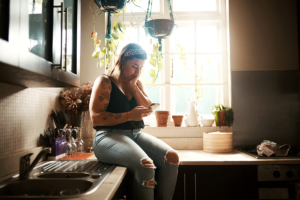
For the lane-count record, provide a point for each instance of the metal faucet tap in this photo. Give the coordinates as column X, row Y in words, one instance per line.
column 25, row 167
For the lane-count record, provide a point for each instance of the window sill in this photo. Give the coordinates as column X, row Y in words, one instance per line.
column 183, row 132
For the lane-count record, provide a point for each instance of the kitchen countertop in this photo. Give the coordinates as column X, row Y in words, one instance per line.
column 187, row 157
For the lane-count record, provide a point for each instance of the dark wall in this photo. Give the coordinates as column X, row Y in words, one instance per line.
column 264, row 61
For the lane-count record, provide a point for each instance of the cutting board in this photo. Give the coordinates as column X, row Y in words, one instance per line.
column 217, row 142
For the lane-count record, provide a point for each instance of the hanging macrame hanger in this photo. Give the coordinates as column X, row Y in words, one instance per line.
column 170, row 10
column 149, row 8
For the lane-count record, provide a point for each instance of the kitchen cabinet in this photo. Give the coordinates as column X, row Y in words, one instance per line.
column 216, row 182
column 40, row 42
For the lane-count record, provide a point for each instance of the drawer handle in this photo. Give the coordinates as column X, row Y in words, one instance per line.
column 195, row 186
column 184, row 186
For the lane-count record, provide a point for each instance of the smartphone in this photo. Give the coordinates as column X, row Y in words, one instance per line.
column 154, row 105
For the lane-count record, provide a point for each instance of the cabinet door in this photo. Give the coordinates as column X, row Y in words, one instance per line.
column 225, row 182
column 184, row 184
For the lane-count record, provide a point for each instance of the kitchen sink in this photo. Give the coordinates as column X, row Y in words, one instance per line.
column 64, row 175
column 58, row 179
column 29, row 188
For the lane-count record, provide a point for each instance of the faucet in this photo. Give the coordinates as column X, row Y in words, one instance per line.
column 25, row 167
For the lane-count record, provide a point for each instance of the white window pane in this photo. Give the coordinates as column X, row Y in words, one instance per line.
column 208, row 38
column 194, row 5
column 211, row 95
column 182, row 74
column 209, row 67
column 154, row 94
column 144, row 5
column 185, row 35
column 147, row 41
column 178, row 96
column 145, row 76
column 131, row 36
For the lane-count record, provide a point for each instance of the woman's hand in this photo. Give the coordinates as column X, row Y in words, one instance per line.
column 133, row 81
column 138, row 113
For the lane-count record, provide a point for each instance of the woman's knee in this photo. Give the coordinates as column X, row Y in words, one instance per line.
column 172, row 157
column 147, row 163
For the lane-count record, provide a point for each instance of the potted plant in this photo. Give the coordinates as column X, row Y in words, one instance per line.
column 223, row 115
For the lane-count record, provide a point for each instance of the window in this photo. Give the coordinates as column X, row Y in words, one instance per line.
column 202, row 30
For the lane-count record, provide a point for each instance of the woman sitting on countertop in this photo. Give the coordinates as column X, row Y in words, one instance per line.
column 117, row 107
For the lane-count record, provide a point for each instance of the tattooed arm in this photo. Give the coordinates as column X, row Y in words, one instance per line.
column 99, row 102
column 139, row 94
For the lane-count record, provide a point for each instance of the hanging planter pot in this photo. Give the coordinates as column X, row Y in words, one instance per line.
column 159, row 28
column 110, row 6
column 113, row 6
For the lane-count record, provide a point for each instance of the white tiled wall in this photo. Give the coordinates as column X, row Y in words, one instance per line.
column 24, row 114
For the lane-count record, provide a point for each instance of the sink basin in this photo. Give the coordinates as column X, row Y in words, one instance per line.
column 58, row 179
column 64, row 175
column 50, row 188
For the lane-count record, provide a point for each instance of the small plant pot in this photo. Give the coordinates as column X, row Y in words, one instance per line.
column 177, row 120
column 222, row 118
column 162, row 118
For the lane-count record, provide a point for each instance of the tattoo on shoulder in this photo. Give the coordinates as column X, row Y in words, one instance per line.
column 118, row 116
column 104, row 95
column 105, row 106
column 100, row 98
column 106, row 80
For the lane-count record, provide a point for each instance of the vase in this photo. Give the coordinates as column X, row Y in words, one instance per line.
column 177, row 119
column 74, row 118
column 162, row 118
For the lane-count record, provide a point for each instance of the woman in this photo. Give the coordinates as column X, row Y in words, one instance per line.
column 117, row 107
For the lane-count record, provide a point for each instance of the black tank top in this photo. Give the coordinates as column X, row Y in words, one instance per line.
column 119, row 103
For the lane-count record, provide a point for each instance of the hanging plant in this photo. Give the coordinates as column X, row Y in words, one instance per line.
column 112, row 40
column 155, row 61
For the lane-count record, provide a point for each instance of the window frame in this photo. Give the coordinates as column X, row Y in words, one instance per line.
column 219, row 16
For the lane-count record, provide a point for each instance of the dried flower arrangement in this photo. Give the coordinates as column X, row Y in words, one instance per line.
column 76, row 99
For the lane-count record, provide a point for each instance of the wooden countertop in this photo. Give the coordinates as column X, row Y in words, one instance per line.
column 187, row 157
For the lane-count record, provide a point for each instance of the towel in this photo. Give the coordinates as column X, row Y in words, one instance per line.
column 269, row 148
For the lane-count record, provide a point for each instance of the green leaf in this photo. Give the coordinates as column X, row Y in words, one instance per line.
column 114, row 35
column 102, row 62
column 153, row 80
column 124, row 9
column 121, row 36
column 97, row 49
column 117, row 14
column 101, row 54
column 115, row 24
column 94, row 55
column 152, row 62
column 160, row 65
column 152, row 72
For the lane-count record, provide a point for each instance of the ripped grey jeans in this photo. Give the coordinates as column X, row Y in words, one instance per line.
column 129, row 148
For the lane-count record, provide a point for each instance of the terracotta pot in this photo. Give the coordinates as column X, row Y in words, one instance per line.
column 162, row 118
column 222, row 118
column 177, row 119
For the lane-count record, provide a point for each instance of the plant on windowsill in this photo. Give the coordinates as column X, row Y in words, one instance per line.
column 223, row 115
